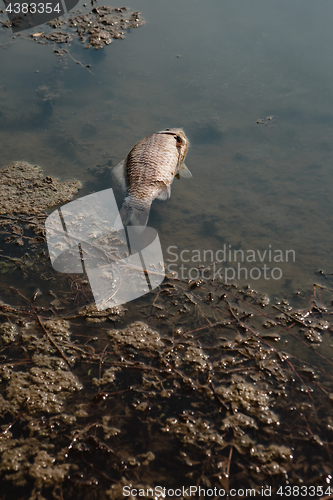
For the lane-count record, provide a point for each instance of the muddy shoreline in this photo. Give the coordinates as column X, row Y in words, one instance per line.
column 194, row 383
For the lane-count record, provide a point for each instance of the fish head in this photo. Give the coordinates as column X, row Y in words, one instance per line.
column 181, row 141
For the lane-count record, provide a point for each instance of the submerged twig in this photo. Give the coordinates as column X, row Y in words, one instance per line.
column 78, row 62
column 44, row 329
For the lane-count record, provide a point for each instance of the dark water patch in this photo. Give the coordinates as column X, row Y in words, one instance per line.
column 206, row 133
column 325, row 146
column 241, row 157
column 66, row 145
column 314, row 166
column 323, row 119
column 88, row 130
column 209, row 228
column 291, row 114
column 40, row 113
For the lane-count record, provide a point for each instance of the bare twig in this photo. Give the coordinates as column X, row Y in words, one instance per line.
column 78, row 62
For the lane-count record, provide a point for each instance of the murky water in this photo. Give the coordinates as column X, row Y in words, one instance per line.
column 250, row 83
column 214, row 69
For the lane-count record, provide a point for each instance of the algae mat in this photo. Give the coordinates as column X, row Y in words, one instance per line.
column 197, row 384
column 24, row 190
column 186, row 387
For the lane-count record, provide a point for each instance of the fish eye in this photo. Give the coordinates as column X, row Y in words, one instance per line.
column 178, row 139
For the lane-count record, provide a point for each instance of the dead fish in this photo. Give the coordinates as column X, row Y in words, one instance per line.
column 148, row 172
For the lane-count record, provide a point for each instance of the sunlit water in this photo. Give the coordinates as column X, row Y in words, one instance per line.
column 250, row 83
column 215, row 69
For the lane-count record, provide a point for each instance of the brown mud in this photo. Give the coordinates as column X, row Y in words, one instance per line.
column 95, row 28
column 197, row 383
column 25, row 194
column 24, row 190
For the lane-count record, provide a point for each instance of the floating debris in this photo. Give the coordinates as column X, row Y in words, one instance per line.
column 268, row 121
column 97, row 28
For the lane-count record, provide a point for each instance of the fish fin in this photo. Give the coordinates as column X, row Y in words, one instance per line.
column 184, row 171
column 118, row 173
column 178, row 176
column 135, row 212
column 165, row 194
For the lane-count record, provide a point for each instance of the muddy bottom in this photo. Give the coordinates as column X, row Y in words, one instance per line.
column 196, row 384
column 192, row 385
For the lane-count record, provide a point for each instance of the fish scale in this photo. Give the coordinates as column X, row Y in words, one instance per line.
column 161, row 163
column 148, row 172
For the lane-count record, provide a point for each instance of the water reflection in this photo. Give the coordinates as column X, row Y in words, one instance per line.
column 214, row 68
column 224, row 67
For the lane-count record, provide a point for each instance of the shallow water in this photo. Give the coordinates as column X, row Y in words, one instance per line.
column 215, row 69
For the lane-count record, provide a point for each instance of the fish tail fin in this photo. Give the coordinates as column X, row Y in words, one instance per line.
column 135, row 212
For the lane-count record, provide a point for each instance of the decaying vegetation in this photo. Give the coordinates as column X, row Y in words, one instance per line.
column 196, row 383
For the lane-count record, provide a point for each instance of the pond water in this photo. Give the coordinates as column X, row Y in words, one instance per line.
column 214, row 69
column 251, row 85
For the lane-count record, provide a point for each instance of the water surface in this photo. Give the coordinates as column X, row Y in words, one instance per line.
column 214, row 69
column 250, row 83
